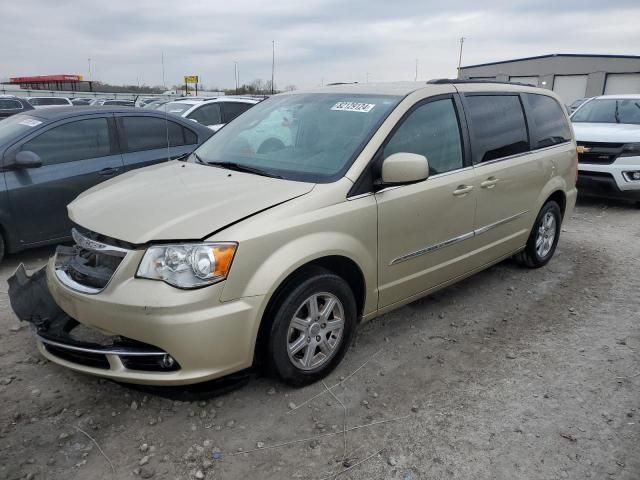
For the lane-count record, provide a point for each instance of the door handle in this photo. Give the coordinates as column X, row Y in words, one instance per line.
column 108, row 171
column 462, row 190
column 490, row 182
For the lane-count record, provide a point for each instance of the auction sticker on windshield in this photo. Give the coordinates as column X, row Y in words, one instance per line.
column 30, row 122
column 353, row 107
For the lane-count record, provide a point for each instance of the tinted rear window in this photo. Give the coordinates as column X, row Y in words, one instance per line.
column 551, row 126
column 233, row 109
column 149, row 133
column 498, row 127
column 8, row 104
column 49, row 101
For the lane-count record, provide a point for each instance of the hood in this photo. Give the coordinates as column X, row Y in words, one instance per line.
column 177, row 201
column 607, row 132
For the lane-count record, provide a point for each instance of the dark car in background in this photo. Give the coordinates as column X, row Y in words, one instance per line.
column 50, row 156
column 10, row 105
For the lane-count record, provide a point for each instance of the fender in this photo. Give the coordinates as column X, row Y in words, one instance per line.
column 288, row 257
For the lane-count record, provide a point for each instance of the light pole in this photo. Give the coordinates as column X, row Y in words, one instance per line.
column 273, row 64
column 90, row 77
column 462, row 39
column 164, row 85
column 235, row 74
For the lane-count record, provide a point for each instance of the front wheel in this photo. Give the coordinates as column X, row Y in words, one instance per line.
column 544, row 236
column 312, row 328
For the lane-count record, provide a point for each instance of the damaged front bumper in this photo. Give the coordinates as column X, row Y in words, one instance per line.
column 135, row 330
column 64, row 340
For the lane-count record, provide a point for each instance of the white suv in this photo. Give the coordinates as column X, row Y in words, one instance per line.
column 607, row 130
column 213, row 113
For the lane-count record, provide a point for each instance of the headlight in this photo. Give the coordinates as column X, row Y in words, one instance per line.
column 631, row 150
column 188, row 265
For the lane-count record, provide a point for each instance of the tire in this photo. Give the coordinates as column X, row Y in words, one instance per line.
column 304, row 346
column 546, row 229
column 2, row 248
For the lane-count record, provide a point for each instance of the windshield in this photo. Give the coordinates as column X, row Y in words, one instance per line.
column 176, row 108
column 49, row 101
column 16, row 125
column 306, row 137
column 609, row 110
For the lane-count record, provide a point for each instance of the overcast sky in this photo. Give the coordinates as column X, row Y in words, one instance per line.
column 316, row 40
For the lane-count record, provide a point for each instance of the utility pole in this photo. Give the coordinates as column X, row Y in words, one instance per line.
column 273, row 65
column 235, row 74
column 462, row 39
column 162, row 62
column 416, row 79
column 90, row 77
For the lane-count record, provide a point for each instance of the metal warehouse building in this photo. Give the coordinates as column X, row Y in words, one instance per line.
column 571, row 76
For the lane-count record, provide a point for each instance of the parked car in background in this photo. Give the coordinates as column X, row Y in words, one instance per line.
column 39, row 102
column 122, row 103
column 607, row 130
column 10, row 105
column 82, row 101
column 380, row 195
column 49, row 156
column 576, row 103
column 212, row 113
column 155, row 104
column 141, row 102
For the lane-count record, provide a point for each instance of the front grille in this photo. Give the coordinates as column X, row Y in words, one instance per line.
column 88, row 359
column 89, row 265
column 600, row 153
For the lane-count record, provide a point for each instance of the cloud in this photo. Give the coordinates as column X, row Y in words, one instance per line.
column 316, row 40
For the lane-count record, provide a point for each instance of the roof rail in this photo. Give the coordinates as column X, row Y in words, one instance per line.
column 340, row 83
column 443, row 81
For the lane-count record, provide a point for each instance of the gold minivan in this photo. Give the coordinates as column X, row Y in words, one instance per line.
column 310, row 213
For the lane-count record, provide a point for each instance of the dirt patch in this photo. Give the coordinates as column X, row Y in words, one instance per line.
column 512, row 373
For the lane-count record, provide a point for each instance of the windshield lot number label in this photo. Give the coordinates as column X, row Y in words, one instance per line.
column 353, row 107
column 30, row 122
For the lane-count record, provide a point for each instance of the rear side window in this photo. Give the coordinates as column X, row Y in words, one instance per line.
column 149, row 133
column 551, row 126
column 233, row 109
column 207, row 114
column 71, row 142
column 431, row 130
column 10, row 105
column 497, row 125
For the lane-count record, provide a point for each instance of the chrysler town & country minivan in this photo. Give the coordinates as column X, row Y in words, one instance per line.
column 308, row 214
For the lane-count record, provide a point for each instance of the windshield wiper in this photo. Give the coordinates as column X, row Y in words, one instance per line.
column 198, row 159
column 243, row 168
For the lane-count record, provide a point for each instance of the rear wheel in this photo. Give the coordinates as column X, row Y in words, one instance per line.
column 544, row 236
column 312, row 328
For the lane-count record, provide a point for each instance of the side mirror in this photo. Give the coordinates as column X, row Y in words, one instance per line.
column 402, row 168
column 27, row 159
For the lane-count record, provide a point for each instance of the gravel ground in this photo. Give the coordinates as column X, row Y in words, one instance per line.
column 513, row 373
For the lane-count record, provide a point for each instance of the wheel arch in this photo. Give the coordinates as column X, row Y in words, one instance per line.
column 340, row 265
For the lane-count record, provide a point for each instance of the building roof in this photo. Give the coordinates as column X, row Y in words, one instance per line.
column 551, row 55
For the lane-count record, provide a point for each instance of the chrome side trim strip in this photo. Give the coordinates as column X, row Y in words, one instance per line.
column 432, row 248
column 90, row 244
column 491, row 226
column 72, row 284
column 454, row 240
column 105, row 351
